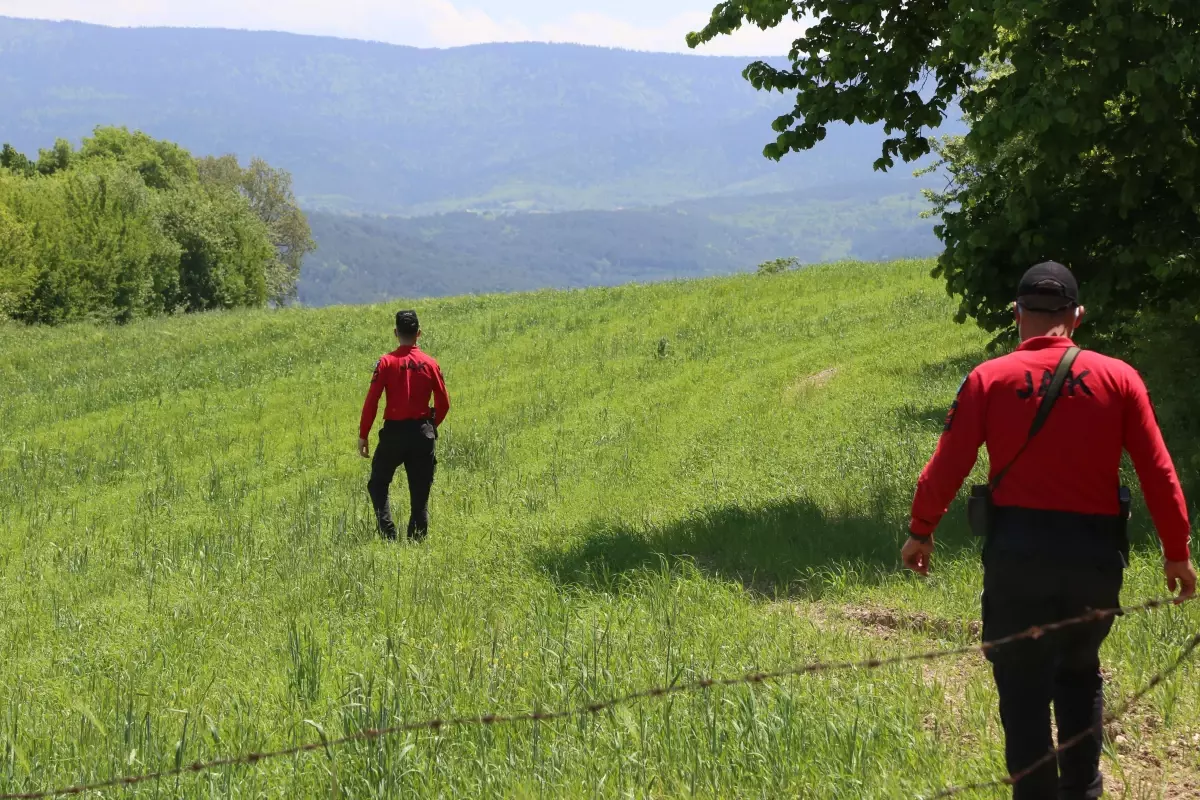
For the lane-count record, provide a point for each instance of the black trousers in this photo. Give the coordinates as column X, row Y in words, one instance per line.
column 411, row 444
column 1060, row 669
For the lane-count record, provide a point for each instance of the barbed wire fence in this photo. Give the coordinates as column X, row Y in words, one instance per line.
column 1109, row 718
column 699, row 685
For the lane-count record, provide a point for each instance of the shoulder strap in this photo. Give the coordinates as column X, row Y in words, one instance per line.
column 1044, row 408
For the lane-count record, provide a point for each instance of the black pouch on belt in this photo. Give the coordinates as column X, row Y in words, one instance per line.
column 1126, row 500
column 979, row 511
column 980, row 505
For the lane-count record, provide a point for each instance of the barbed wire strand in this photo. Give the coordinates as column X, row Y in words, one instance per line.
column 1109, row 718
column 704, row 684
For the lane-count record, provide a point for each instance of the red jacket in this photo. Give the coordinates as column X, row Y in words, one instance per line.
column 409, row 376
column 1073, row 463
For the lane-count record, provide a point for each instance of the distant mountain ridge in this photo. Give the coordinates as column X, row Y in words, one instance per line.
column 377, row 128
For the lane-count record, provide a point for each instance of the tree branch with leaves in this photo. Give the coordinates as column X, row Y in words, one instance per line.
column 1083, row 132
column 269, row 192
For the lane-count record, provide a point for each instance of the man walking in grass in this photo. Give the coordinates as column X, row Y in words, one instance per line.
column 1055, row 421
column 410, row 427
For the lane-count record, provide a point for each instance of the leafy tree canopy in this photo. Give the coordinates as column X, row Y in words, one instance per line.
column 125, row 227
column 271, row 197
column 1083, row 132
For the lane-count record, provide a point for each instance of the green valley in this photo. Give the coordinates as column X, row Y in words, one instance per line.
column 370, row 259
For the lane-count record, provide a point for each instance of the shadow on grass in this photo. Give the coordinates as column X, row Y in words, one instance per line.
column 951, row 369
column 956, row 368
column 931, row 419
column 793, row 549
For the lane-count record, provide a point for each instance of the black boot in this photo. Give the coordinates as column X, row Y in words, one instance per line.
column 387, row 528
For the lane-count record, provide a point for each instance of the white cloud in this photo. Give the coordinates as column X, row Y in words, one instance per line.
column 419, row 22
column 603, row 30
column 426, row 23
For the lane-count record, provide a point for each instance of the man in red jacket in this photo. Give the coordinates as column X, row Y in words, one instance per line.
column 410, row 426
column 1057, row 545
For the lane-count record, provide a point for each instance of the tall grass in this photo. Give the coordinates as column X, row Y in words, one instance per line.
column 637, row 486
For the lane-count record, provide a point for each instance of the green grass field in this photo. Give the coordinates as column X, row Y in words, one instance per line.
column 637, row 486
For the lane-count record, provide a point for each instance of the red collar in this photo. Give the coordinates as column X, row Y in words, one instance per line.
column 1045, row 343
column 405, row 349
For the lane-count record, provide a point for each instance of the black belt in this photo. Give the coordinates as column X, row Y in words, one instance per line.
column 1097, row 538
column 397, row 423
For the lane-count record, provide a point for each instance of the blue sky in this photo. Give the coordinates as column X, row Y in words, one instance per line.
column 636, row 24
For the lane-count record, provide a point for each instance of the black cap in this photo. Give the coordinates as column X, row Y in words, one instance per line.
column 1048, row 286
column 407, row 323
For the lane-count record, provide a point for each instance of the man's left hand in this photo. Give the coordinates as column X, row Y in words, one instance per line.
column 917, row 554
column 364, row 448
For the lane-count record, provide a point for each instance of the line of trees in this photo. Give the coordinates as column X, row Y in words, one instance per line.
column 128, row 226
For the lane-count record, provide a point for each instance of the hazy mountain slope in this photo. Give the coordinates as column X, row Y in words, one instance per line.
column 373, row 127
column 368, row 259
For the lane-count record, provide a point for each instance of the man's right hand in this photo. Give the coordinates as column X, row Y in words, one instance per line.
column 364, row 448
column 917, row 554
column 1181, row 578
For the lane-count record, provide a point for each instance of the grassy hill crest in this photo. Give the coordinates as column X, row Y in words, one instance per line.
column 638, row 485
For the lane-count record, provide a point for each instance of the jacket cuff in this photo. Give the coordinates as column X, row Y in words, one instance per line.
column 1177, row 551
column 920, row 528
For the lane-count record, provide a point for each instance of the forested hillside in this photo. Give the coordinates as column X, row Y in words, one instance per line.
column 368, row 259
column 385, row 129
